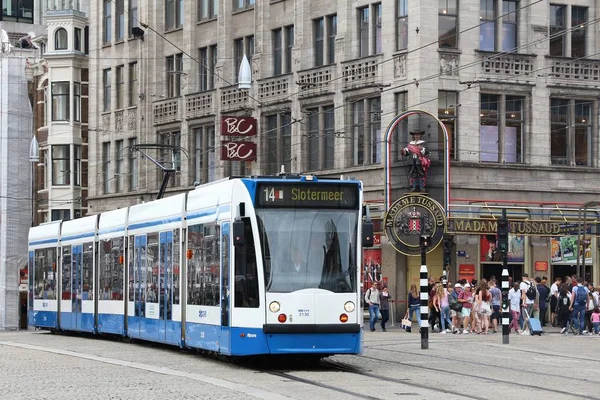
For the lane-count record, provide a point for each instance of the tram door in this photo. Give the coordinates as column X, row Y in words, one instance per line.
column 225, row 338
column 166, row 285
column 76, row 268
column 139, row 283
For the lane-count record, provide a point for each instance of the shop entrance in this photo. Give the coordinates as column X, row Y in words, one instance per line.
column 495, row 269
column 562, row 270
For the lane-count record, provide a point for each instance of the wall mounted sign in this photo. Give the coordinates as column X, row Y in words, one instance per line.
column 238, row 151
column 528, row 227
column 238, row 126
column 541, row 266
column 411, row 216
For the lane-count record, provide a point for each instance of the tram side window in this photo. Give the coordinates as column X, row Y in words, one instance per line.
column 204, row 273
column 246, row 271
column 67, row 283
column 130, row 264
column 88, row 271
column 176, row 261
column 110, row 269
column 152, row 266
column 44, row 274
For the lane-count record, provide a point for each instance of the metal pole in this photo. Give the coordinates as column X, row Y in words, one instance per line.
column 424, row 301
column 505, row 316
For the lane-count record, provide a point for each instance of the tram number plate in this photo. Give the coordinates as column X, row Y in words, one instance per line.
column 202, row 314
column 303, row 313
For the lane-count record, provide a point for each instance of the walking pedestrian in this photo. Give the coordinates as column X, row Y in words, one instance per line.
column 372, row 299
column 384, row 306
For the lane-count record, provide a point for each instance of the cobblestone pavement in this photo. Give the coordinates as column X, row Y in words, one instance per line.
column 40, row 365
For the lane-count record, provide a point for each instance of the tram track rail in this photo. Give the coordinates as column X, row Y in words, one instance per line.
column 483, row 378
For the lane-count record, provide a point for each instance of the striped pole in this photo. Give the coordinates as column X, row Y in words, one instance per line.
column 505, row 316
column 445, row 277
column 424, row 302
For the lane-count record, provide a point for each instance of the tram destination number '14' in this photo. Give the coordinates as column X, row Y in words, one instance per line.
column 272, row 194
column 335, row 196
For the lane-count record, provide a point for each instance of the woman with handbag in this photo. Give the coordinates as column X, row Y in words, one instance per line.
column 414, row 302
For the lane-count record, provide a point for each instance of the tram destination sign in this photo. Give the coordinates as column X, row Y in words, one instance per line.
column 307, row 195
column 528, row 227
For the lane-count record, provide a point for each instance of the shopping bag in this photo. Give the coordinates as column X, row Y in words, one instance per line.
column 406, row 323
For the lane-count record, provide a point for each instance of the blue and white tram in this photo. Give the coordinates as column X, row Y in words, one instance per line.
column 240, row 267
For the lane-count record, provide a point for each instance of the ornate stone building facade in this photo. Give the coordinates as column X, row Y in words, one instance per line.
column 514, row 82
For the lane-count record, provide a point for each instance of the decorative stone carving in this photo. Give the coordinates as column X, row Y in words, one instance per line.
column 184, row 81
column 119, row 121
column 105, row 123
column 543, row 29
column 132, row 119
column 400, row 66
column 218, row 73
column 449, row 64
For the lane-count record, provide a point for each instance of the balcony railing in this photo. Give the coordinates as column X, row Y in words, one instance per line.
column 232, row 98
column 581, row 70
column 507, row 65
column 316, row 81
column 274, row 88
column 165, row 111
column 199, row 104
column 361, row 72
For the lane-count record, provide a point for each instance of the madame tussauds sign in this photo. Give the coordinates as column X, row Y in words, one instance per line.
column 529, row 227
column 411, row 216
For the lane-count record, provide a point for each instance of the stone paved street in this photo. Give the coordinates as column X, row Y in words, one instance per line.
column 40, row 365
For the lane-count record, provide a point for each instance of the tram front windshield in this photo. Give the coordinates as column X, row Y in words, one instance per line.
column 309, row 249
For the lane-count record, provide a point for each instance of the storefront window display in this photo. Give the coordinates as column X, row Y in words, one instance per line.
column 491, row 258
column 563, row 255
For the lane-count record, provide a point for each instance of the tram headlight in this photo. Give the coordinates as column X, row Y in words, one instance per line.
column 274, row 306
column 349, row 306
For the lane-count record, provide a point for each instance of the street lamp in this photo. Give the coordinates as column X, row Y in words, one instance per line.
column 245, row 74
column 34, row 158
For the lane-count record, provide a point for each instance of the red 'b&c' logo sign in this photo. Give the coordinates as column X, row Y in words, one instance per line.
column 238, row 126
column 238, row 151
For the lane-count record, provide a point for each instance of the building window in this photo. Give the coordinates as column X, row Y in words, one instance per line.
column 171, row 154
column 557, row 28
column 578, row 20
column 239, row 5
column 61, row 39
column 133, row 16
column 120, row 19
column 487, row 28
column 571, row 132
column 507, row 23
column 60, row 215
column 331, row 34
column 400, row 137
column 377, row 39
column 106, row 85
column 363, row 31
column 447, row 113
column 61, row 169
column 60, row 101
column 319, row 38
column 277, row 52
column 174, row 70
column 208, row 9
column 241, row 46
column 447, row 29
column 366, row 131
column 120, row 87
column 106, row 166
column 107, row 22
column 77, row 165
column 77, row 101
column 401, row 24
column 77, row 38
column 119, row 165
column 321, row 138
column 133, row 84
column 204, row 154
column 208, row 61
column 278, row 143
column 173, row 14
column 289, row 40
column 133, row 165
column 21, row 11
column 501, row 130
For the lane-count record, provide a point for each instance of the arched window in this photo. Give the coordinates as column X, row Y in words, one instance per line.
column 60, row 39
